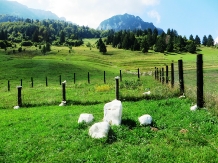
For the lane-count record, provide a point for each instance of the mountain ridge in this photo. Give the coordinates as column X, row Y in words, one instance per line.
column 126, row 22
column 16, row 9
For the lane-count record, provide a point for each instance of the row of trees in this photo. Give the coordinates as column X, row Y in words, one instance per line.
column 148, row 39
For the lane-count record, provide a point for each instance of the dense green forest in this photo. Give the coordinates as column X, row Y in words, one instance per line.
column 30, row 32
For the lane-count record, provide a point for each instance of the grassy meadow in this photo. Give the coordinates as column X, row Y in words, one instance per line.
column 41, row 131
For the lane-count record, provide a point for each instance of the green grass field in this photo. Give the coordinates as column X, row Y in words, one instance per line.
column 41, row 131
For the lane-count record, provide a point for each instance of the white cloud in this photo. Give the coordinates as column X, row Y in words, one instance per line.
column 151, row 2
column 154, row 14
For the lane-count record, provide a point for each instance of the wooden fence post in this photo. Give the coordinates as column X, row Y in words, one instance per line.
column 167, row 76
column 74, row 78
column 46, row 81
column 19, row 96
column 162, row 75
column 104, row 77
column 181, row 78
column 138, row 74
column 155, row 73
column 32, row 82
column 117, row 87
column 60, row 79
column 64, row 91
column 120, row 75
column 172, row 75
column 200, row 91
column 88, row 78
column 9, row 86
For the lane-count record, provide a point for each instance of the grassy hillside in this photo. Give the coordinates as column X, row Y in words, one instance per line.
column 41, row 131
column 82, row 60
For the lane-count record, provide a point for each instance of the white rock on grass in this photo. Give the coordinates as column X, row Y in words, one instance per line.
column 63, row 103
column 16, row 107
column 147, row 93
column 99, row 130
column 194, row 108
column 145, row 119
column 182, row 96
column 85, row 117
column 113, row 112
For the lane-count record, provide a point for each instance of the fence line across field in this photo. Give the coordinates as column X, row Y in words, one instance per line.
column 161, row 74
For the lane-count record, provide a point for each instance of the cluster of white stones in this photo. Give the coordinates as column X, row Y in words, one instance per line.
column 112, row 116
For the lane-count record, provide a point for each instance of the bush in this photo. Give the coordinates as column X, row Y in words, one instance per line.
column 26, row 43
column 20, row 49
column 2, row 45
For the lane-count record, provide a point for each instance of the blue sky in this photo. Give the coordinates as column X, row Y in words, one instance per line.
column 196, row 17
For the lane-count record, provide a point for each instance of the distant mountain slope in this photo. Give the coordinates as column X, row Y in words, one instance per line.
column 126, row 21
column 16, row 9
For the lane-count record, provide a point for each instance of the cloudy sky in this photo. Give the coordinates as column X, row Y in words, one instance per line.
column 196, row 17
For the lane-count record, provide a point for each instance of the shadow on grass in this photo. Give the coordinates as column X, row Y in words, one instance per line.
column 147, row 97
column 112, row 137
column 129, row 123
column 69, row 102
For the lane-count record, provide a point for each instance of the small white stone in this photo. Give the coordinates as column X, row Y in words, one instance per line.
column 194, row 108
column 16, row 107
column 145, row 119
column 85, row 117
column 182, row 96
column 147, row 93
column 63, row 103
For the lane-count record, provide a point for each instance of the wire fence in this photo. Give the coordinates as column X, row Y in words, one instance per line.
column 189, row 84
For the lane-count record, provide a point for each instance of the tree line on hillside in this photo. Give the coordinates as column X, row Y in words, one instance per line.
column 143, row 40
column 55, row 32
column 48, row 32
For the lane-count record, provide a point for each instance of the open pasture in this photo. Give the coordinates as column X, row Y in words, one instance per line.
column 41, row 131
column 83, row 60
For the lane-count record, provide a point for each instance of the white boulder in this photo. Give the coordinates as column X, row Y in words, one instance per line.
column 99, row 130
column 113, row 112
column 85, row 117
column 145, row 119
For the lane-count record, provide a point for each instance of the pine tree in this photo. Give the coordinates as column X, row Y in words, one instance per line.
column 210, row 41
column 43, row 49
column 144, row 45
column 101, row 46
column 35, row 36
column 197, row 40
column 160, row 45
column 62, row 37
column 191, row 38
column 204, row 41
column 191, row 47
column 48, row 47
